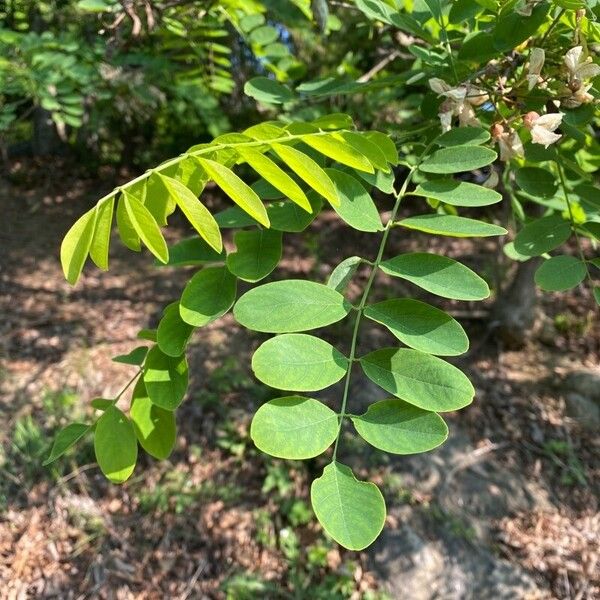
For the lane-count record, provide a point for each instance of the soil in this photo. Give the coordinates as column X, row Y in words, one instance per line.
column 507, row 508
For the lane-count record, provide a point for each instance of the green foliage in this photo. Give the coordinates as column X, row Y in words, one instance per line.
column 446, row 146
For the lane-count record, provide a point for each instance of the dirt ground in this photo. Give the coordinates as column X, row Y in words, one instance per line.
column 517, row 482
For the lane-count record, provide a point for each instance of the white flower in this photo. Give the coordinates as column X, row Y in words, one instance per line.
column 536, row 62
column 579, row 97
column 459, row 103
column 580, row 68
column 492, row 181
column 543, row 127
column 509, row 143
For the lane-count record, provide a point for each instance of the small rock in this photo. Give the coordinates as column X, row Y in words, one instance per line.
column 585, row 383
column 586, row 412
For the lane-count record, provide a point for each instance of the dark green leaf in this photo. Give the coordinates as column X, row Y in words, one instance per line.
column 257, row 253
column 173, row 332
column 343, row 273
column 451, row 225
column 268, row 90
column 457, row 193
column 458, row 159
column 536, row 181
column 560, row 273
column 135, row 357
column 66, row 438
column 542, row 235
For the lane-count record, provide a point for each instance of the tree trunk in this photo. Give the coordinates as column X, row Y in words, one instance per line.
column 514, row 312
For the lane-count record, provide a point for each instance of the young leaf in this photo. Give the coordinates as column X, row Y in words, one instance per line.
column 420, row 326
column 258, row 253
column 298, row 362
column 173, row 332
column 191, row 252
column 135, row 357
column 208, row 295
column 127, row 233
column 101, row 239
column 308, row 170
column 385, row 144
column 439, row 275
column 166, row 378
column 457, row 193
column 542, row 235
column 115, row 445
column 356, row 206
column 363, row 145
column 451, row 225
column 66, row 438
column 242, row 194
column 154, row 427
column 102, row 403
column 196, row 213
column 336, row 149
column 458, row 159
column 421, row 379
column 352, row 512
column 277, row 177
column 146, row 227
column 340, row 277
column 401, row 428
column 294, row 427
column 560, row 273
column 76, row 245
column 289, row 306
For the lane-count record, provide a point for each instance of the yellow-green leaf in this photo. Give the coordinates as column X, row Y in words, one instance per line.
column 334, row 147
column 76, row 245
column 241, row 193
column 196, row 213
column 308, row 170
column 278, row 178
column 101, row 239
column 146, row 227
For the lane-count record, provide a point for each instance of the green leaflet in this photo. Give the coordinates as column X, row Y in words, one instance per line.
column 173, row 332
column 294, row 427
column 241, row 193
column 66, row 438
column 364, row 146
column 340, row 277
column 101, row 239
column 352, row 512
column 457, row 193
column 560, row 273
column 166, row 378
column 278, row 178
column 145, row 227
column 284, row 215
column 298, row 362
column 258, row 253
column 356, row 206
column 420, row 326
column 458, row 159
column 154, row 427
column 195, row 212
column 542, row 235
column 400, row 428
column 115, row 445
column 192, row 252
column 268, row 90
column 290, row 306
column 76, row 245
column 451, row 225
column 464, row 136
column 135, row 357
column 127, row 233
column 308, row 170
column 421, row 379
column 439, row 275
column 536, row 181
column 337, row 149
column 385, row 144
column 208, row 295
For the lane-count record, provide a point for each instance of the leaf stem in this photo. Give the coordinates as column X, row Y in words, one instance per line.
column 207, row 150
column 399, row 195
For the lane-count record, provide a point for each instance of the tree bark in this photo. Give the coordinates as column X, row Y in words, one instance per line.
column 514, row 313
